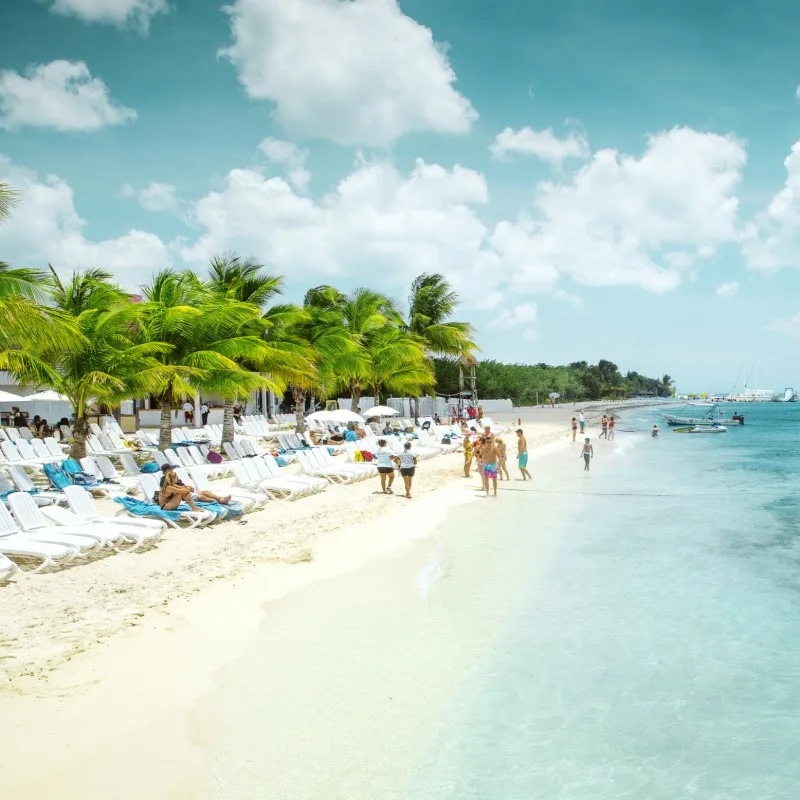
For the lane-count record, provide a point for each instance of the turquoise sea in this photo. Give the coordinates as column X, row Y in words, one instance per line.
column 631, row 633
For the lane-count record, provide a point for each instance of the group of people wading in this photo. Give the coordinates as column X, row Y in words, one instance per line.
column 491, row 455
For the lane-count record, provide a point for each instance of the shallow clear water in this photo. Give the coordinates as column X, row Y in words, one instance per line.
column 632, row 633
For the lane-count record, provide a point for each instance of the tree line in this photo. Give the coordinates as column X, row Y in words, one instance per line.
column 531, row 384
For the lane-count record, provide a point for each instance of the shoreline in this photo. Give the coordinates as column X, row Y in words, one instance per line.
column 136, row 680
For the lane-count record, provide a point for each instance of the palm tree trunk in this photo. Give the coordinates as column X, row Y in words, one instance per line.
column 299, row 408
column 79, row 431
column 355, row 395
column 165, row 427
column 416, row 409
column 227, row 421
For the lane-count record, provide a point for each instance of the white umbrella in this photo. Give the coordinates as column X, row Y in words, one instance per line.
column 7, row 397
column 380, row 411
column 335, row 415
column 47, row 396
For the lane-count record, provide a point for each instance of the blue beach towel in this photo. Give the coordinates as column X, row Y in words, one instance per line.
column 74, row 472
column 57, row 477
column 140, row 508
column 149, row 466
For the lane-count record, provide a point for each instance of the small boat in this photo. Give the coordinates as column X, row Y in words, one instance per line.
column 702, row 429
column 706, row 417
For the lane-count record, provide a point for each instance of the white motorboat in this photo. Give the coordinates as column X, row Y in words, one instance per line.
column 706, row 415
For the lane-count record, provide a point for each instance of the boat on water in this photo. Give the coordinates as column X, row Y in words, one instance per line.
column 702, row 429
column 702, row 414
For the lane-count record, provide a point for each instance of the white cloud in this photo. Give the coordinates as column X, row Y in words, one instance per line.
column 61, row 95
column 773, row 239
column 521, row 315
column 790, row 327
column 45, row 227
column 540, row 144
column 376, row 220
column 289, row 155
column 572, row 299
column 154, row 197
column 112, row 12
column 358, row 72
column 620, row 220
column 615, row 221
column 726, row 289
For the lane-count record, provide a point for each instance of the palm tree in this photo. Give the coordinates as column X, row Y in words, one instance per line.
column 398, row 364
column 103, row 363
column 322, row 334
column 243, row 281
column 207, row 339
column 666, row 386
column 432, row 303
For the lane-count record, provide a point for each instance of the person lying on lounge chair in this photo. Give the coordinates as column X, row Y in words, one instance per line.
column 173, row 492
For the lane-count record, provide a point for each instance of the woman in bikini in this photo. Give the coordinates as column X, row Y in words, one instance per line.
column 467, row 455
column 172, row 493
column 587, row 453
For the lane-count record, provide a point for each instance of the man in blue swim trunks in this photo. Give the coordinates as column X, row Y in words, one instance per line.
column 522, row 455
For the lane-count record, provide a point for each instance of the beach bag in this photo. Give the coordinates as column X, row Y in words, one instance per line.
column 358, row 456
column 366, row 455
column 213, row 458
column 78, row 477
column 445, row 440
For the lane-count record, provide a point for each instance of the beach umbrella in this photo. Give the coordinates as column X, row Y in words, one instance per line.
column 554, row 395
column 380, row 411
column 335, row 415
column 7, row 397
column 47, row 396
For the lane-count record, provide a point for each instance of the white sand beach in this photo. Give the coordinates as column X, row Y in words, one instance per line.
column 101, row 661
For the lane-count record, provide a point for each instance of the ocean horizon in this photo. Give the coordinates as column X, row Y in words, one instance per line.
column 627, row 633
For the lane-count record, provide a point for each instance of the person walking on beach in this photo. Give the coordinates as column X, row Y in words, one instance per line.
column 467, row 455
column 522, row 455
column 581, row 422
column 587, row 453
column 611, row 426
column 604, row 427
column 383, row 460
column 502, row 458
column 490, row 457
column 407, row 462
column 574, row 429
column 188, row 412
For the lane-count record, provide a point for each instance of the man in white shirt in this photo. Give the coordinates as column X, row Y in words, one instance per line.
column 204, row 413
column 188, row 412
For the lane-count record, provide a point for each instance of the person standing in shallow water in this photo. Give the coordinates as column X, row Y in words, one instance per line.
column 522, row 455
column 587, row 454
column 574, row 429
column 604, row 427
column 582, row 422
column 611, row 427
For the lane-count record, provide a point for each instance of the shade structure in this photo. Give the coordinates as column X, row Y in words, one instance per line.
column 380, row 411
column 7, row 397
column 335, row 415
column 47, row 396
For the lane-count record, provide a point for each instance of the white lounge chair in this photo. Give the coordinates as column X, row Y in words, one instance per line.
column 248, row 500
column 7, row 567
column 15, row 543
column 30, row 520
column 140, row 532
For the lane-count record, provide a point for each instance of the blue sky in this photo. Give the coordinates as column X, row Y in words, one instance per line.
column 599, row 180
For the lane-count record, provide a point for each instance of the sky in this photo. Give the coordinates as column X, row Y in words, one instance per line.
column 614, row 180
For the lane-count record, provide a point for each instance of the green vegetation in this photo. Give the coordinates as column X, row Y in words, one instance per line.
column 528, row 384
